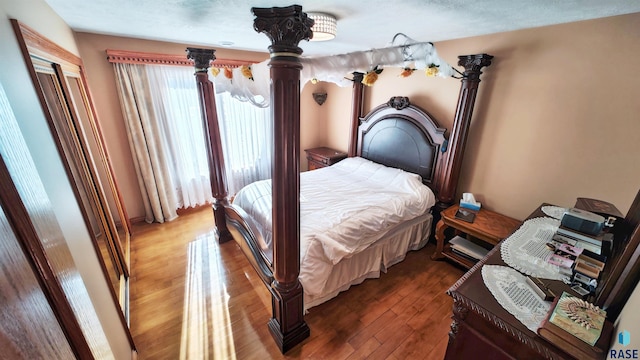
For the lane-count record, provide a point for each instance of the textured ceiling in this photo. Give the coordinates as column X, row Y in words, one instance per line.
column 362, row 25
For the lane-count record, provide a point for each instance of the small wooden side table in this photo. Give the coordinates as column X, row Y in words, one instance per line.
column 323, row 156
column 488, row 226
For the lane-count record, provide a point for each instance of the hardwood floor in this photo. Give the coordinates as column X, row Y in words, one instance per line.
column 192, row 298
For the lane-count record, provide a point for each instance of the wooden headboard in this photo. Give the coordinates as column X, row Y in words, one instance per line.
column 403, row 136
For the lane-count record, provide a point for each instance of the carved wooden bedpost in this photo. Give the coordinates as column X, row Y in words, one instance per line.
column 285, row 27
column 458, row 137
column 357, row 104
column 202, row 58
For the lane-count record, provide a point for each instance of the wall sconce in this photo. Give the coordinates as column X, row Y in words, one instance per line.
column 320, row 97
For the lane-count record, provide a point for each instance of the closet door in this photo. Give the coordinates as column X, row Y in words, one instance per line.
column 29, row 329
column 85, row 181
column 58, row 78
column 80, row 101
column 46, row 310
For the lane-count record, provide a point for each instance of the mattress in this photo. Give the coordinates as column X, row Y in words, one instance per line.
column 344, row 210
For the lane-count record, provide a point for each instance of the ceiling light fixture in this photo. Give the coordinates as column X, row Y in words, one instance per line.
column 324, row 27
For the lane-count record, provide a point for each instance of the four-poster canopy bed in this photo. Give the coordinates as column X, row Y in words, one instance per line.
column 395, row 140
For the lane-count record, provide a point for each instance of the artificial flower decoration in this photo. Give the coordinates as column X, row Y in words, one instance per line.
column 406, row 72
column 246, row 72
column 228, row 73
column 431, row 70
column 215, row 71
column 371, row 76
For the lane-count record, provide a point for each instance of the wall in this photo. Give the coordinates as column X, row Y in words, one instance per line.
column 553, row 120
column 24, row 102
column 556, row 115
column 314, row 118
column 629, row 320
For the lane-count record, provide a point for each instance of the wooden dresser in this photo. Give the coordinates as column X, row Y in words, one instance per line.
column 483, row 329
column 323, row 156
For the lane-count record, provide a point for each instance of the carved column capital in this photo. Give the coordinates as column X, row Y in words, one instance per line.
column 357, row 77
column 473, row 64
column 201, row 58
column 285, row 27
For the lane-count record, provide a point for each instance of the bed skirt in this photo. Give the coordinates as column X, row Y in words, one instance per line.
column 386, row 252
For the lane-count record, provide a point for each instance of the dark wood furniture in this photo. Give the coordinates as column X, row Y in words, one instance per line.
column 481, row 328
column 323, row 156
column 286, row 27
column 621, row 275
column 488, row 227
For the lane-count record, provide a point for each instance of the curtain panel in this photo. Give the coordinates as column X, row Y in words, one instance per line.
column 160, row 105
column 148, row 143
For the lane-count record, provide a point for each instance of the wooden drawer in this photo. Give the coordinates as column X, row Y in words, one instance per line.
column 323, row 156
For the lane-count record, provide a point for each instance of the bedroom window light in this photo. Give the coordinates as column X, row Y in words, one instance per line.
column 162, row 113
column 177, row 111
column 246, row 133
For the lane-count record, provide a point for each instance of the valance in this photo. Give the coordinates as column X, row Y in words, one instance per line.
column 137, row 57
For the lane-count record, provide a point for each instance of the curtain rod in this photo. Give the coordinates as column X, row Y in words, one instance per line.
column 137, row 57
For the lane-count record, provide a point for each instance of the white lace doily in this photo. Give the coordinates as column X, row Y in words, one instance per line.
column 526, row 251
column 555, row 212
column 511, row 291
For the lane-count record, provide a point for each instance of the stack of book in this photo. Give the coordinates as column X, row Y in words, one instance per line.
column 582, row 265
column 467, row 248
column 593, row 243
column 586, row 272
column 564, row 256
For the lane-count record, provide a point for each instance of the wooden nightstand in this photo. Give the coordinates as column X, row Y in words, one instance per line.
column 323, row 156
column 489, row 227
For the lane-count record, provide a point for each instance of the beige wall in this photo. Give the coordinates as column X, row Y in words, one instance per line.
column 556, row 116
column 15, row 79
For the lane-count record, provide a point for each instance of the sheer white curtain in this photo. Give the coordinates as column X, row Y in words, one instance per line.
column 246, row 132
column 164, row 125
column 177, row 108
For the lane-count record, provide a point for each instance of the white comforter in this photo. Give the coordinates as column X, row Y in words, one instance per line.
column 344, row 208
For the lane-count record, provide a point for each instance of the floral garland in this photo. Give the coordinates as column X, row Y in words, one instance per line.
column 228, row 73
column 368, row 79
column 245, row 70
column 406, row 72
column 432, row 70
column 371, row 76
